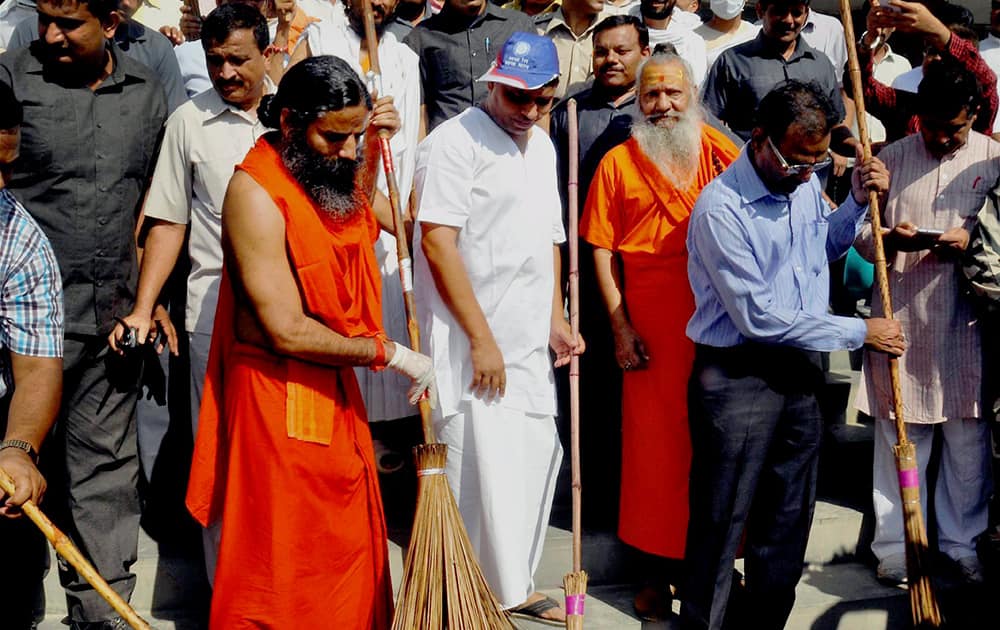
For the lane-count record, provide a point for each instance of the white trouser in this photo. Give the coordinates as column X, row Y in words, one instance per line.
column 199, row 344
column 960, row 496
column 502, row 467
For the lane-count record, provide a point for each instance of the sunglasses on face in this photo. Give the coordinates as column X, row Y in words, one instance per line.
column 799, row 169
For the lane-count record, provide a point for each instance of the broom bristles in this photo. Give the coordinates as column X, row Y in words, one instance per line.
column 575, row 585
column 442, row 584
column 923, row 602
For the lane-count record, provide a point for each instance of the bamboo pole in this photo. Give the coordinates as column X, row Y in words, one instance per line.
column 65, row 548
column 399, row 226
column 442, row 585
column 574, row 583
column 923, row 602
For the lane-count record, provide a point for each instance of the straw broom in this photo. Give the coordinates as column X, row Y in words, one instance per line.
column 442, row 585
column 65, row 548
column 923, row 603
column 575, row 583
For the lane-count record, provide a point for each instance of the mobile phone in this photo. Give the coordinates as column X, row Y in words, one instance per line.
column 885, row 5
column 929, row 233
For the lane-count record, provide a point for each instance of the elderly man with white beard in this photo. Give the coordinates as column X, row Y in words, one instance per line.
column 638, row 208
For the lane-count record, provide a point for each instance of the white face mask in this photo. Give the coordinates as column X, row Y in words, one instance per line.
column 727, row 9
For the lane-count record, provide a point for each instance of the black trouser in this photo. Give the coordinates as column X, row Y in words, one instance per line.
column 91, row 464
column 25, row 561
column 755, row 433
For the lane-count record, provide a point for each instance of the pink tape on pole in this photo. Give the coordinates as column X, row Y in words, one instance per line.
column 909, row 478
column 574, row 604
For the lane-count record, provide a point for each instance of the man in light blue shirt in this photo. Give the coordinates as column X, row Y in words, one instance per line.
column 760, row 240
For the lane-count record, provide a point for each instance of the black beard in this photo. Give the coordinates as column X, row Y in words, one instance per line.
column 357, row 23
column 329, row 182
column 648, row 12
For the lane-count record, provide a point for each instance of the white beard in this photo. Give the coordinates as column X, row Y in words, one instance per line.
column 676, row 150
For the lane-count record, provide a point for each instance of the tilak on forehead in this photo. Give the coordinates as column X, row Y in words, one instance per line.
column 662, row 72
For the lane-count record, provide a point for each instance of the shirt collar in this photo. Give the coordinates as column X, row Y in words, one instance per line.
column 750, row 186
column 758, row 48
column 217, row 107
column 592, row 95
column 119, row 75
column 558, row 21
column 492, row 11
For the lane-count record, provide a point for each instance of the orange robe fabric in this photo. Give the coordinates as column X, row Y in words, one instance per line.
column 303, row 541
column 633, row 210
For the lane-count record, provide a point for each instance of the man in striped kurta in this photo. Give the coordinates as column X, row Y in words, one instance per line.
column 940, row 178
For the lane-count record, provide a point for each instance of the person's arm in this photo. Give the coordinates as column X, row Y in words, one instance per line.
column 162, row 248
column 33, row 408
column 440, row 245
column 848, row 221
column 630, row 351
column 279, row 62
column 170, row 191
column 561, row 338
column 600, row 226
column 254, row 243
column 31, row 318
column 966, row 53
column 750, row 300
column 880, row 99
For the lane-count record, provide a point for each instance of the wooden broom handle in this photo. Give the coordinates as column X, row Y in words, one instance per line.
column 881, row 270
column 65, row 548
column 398, row 223
column 573, row 202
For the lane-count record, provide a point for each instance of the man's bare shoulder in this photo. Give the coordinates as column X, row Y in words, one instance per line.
column 249, row 207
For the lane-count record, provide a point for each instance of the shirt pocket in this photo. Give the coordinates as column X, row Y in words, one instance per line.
column 443, row 68
column 211, row 178
column 815, row 243
column 35, row 149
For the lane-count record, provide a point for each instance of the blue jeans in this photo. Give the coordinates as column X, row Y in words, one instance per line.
column 755, row 433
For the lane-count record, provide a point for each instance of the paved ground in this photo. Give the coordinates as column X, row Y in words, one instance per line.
column 837, row 591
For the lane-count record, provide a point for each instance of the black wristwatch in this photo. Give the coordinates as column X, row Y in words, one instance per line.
column 24, row 446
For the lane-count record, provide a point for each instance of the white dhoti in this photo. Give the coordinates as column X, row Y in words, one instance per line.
column 502, row 467
column 961, row 494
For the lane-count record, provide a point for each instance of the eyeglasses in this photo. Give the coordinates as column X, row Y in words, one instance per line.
column 800, row 169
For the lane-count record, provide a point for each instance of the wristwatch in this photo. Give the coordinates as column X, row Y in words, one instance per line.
column 24, row 446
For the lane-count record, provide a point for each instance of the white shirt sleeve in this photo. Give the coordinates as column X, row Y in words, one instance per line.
column 169, row 196
column 445, row 176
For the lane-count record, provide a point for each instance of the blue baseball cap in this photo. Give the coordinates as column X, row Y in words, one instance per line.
column 526, row 61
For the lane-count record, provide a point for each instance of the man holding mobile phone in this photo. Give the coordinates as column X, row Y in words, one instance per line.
column 940, row 178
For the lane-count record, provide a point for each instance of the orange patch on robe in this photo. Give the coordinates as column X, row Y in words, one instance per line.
column 303, row 540
column 633, row 210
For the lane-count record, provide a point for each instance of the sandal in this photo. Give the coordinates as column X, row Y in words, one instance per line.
column 535, row 610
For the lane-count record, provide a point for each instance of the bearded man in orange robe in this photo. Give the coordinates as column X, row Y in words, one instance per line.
column 283, row 454
column 636, row 218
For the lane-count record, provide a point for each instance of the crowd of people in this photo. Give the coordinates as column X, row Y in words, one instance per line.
column 198, row 224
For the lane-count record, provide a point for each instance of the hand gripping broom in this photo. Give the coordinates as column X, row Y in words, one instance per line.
column 65, row 548
column 575, row 583
column 442, row 585
column 923, row 603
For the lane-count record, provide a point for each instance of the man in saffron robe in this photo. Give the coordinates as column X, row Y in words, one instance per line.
column 637, row 212
column 283, row 455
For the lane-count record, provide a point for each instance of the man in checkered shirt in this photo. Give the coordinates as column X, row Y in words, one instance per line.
column 31, row 347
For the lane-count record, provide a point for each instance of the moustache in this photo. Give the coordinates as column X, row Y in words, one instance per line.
column 668, row 115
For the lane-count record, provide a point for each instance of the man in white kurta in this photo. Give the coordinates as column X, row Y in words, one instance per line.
column 940, row 178
column 385, row 391
column 489, row 222
column 203, row 141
